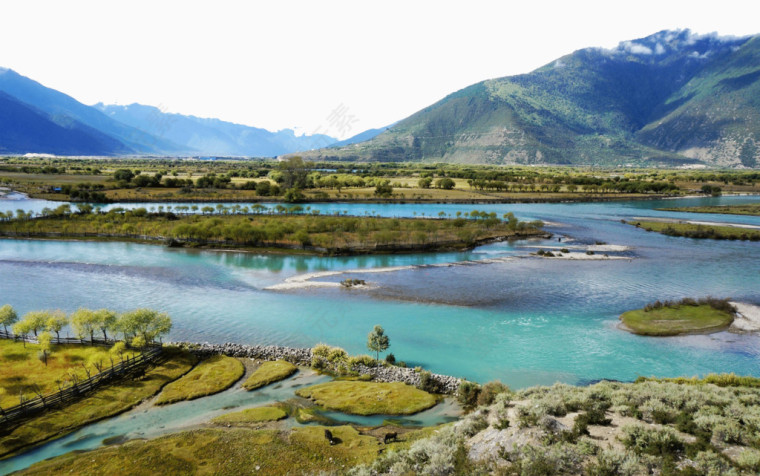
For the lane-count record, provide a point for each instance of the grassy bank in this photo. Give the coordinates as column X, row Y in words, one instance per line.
column 684, row 317
column 106, row 402
column 369, row 398
column 750, row 209
column 326, row 234
column 690, row 230
column 211, row 376
column 252, row 415
column 269, row 372
column 23, row 373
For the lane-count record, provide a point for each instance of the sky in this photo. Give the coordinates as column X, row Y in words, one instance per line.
column 335, row 67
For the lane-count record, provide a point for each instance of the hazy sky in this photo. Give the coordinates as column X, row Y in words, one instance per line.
column 279, row 64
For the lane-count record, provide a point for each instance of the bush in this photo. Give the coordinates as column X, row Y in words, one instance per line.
column 489, row 391
column 363, row 359
column 390, row 359
column 467, row 394
column 428, row 383
column 651, row 441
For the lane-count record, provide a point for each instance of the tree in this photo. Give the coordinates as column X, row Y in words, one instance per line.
column 8, row 316
column 83, row 321
column 146, row 324
column 425, row 182
column 293, row 173
column 22, row 329
column 44, row 339
column 445, row 183
column 383, row 188
column 56, row 322
column 377, row 341
column 123, row 174
column 118, row 349
column 104, row 320
column 36, row 320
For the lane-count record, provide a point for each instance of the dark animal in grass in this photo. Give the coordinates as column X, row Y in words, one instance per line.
column 390, row 437
column 329, row 437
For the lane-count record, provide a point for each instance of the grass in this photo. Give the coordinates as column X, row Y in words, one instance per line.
column 224, row 451
column 253, row 415
column 269, row 372
column 676, row 320
column 690, row 230
column 749, row 209
column 298, row 230
column 211, row 376
column 369, row 398
column 106, row 402
column 21, row 369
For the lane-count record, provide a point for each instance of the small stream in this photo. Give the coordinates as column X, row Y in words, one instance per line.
column 150, row 421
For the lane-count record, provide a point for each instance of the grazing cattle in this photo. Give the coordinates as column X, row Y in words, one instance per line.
column 390, row 437
column 329, row 437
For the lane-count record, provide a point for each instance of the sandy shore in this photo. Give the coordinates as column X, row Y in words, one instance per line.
column 747, row 318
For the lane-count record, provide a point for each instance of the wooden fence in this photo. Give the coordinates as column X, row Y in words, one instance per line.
column 59, row 340
column 78, row 389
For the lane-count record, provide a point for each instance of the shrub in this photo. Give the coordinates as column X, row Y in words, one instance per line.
column 749, row 459
column 362, row 359
column 428, row 383
column 651, row 441
column 467, row 394
column 336, row 354
column 321, row 350
column 390, row 359
column 489, row 392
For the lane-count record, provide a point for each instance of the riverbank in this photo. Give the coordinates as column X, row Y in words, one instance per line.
column 303, row 356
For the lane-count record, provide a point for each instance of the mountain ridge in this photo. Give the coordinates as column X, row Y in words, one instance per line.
column 593, row 106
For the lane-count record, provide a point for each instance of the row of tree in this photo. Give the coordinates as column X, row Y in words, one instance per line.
column 139, row 327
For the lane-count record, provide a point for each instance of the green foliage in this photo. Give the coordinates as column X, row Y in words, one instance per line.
column 468, row 393
column 8, row 316
column 652, row 441
column 377, row 341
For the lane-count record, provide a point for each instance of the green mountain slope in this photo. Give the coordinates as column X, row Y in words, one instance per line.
column 638, row 103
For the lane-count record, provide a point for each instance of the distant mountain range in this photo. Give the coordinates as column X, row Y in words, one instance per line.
column 670, row 98
column 34, row 118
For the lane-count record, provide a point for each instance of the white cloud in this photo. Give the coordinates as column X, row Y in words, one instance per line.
column 635, row 48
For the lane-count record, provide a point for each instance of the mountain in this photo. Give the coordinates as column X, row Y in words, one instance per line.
column 63, row 109
column 212, row 136
column 24, row 128
column 670, row 98
column 362, row 136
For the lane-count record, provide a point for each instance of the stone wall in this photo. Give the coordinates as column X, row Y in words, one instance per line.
column 303, row 356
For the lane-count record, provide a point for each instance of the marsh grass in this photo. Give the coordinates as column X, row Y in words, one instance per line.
column 253, row 415
column 20, row 369
column 213, row 375
column 106, row 402
column 269, row 372
column 369, row 398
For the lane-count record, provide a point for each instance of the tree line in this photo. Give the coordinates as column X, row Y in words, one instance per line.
column 138, row 328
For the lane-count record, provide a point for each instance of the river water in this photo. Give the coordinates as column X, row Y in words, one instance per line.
column 491, row 313
column 495, row 312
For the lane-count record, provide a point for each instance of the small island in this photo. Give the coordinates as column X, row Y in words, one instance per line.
column 284, row 229
column 752, row 209
column 687, row 316
column 708, row 231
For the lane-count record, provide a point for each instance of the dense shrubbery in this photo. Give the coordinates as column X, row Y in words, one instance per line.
column 715, row 303
column 715, row 416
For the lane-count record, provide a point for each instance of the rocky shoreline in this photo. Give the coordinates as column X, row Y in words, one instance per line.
column 303, row 356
